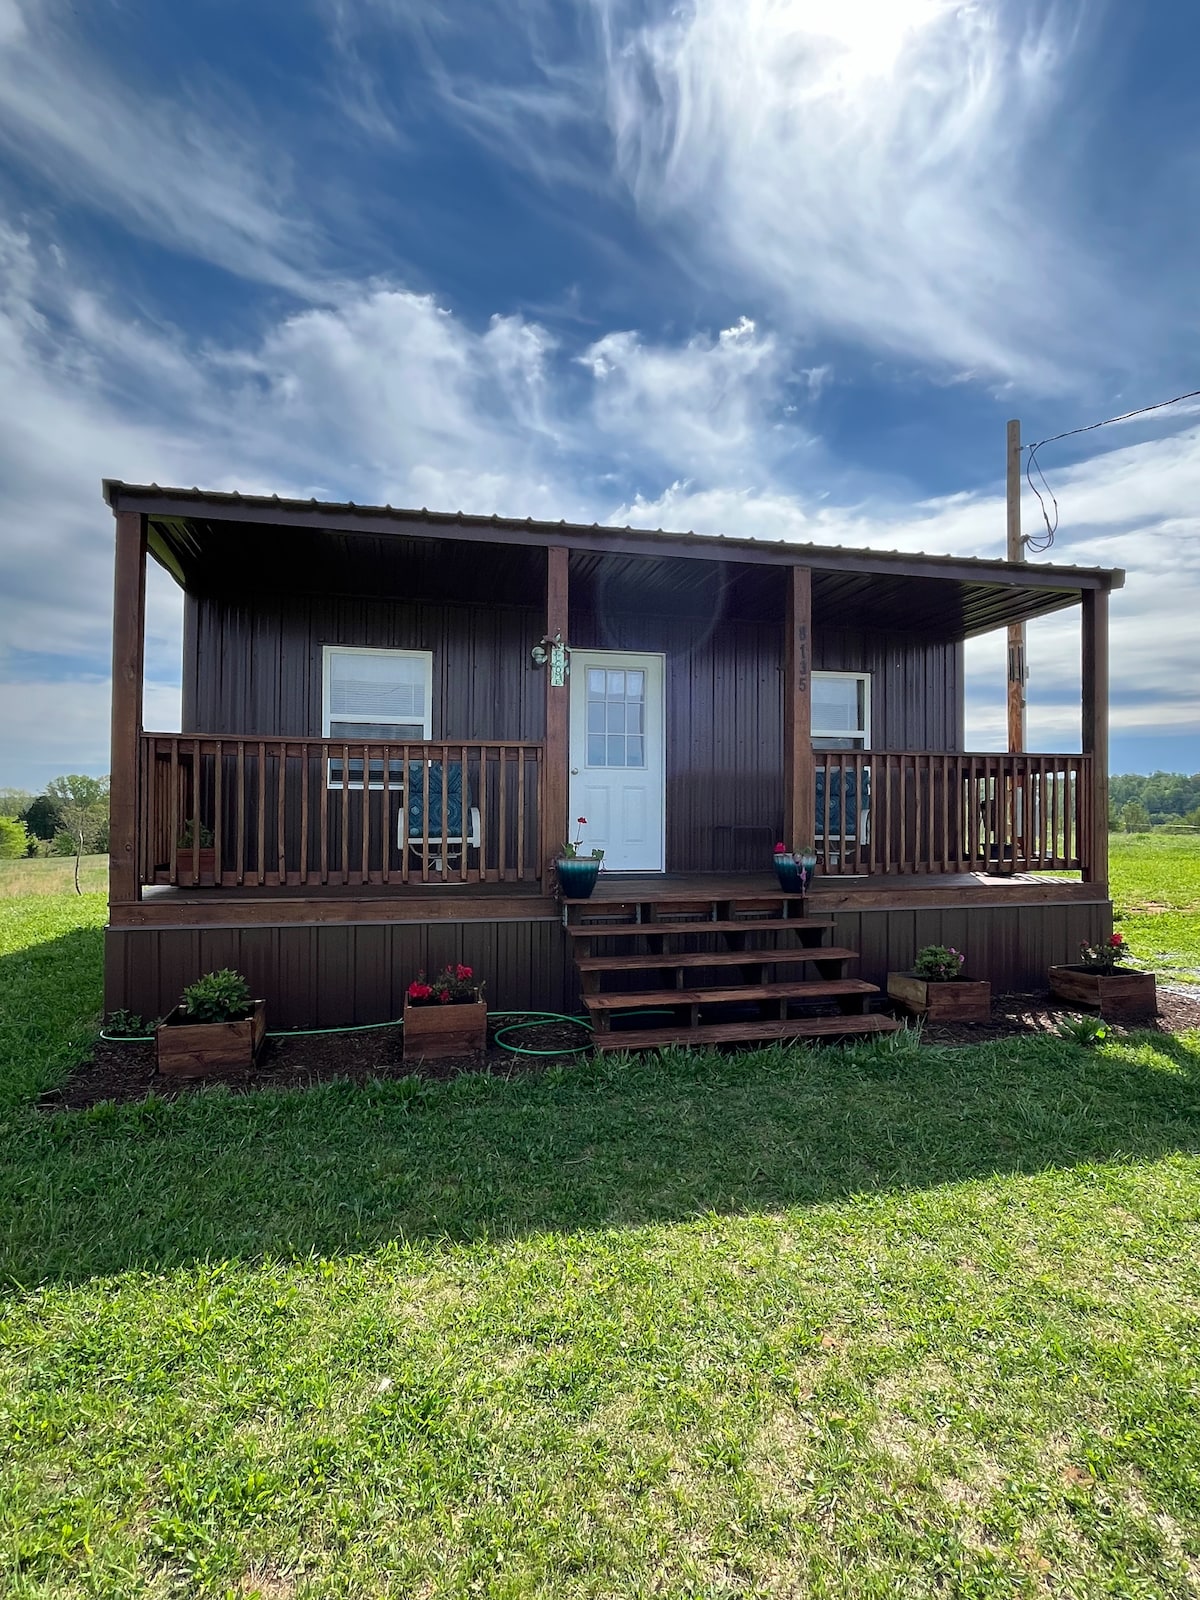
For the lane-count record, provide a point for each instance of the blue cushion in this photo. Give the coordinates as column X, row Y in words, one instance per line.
column 843, row 789
column 416, row 800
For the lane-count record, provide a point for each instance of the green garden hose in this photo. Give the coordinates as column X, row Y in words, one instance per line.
column 283, row 1033
column 532, row 1019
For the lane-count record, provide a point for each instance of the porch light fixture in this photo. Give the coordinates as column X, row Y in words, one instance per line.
column 553, row 651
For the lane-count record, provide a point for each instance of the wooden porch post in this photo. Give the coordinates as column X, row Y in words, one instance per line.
column 799, row 768
column 1095, row 731
column 129, row 649
column 557, row 755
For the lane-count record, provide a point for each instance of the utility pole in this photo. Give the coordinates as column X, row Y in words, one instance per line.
column 1016, row 631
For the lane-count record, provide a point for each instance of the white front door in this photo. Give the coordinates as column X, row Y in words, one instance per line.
column 617, row 749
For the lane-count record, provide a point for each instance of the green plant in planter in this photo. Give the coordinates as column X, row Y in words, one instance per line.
column 454, row 985
column 939, row 963
column 218, row 997
column 185, row 838
column 1105, row 957
column 572, row 849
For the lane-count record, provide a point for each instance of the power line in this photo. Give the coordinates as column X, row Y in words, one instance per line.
column 1042, row 542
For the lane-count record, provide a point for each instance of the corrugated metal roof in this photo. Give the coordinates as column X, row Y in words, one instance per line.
column 234, row 504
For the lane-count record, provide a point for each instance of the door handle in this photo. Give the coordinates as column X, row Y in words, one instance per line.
column 574, row 772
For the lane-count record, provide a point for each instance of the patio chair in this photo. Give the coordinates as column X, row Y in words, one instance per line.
column 844, row 800
column 440, row 843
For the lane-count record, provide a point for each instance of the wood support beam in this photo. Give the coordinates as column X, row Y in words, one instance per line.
column 1017, row 717
column 557, row 758
column 129, row 646
column 1095, row 730
column 799, row 767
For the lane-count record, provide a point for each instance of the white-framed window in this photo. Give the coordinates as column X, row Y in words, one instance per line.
column 376, row 695
column 841, row 710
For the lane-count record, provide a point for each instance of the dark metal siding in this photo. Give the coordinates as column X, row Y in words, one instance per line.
column 254, row 665
column 724, row 715
column 916, row 684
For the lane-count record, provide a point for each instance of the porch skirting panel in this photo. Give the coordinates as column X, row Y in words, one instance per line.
column 332, row 975
column 1013, row 946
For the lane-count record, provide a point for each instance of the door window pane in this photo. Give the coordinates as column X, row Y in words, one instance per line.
column 616, row 704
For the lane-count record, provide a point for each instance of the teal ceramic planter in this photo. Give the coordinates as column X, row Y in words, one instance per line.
column 577, row 876
column 795, row 872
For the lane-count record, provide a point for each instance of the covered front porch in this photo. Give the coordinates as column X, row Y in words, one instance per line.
column 261, row 803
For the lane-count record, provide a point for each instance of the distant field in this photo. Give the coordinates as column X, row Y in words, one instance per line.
column 1156, row 894
column 55, row 875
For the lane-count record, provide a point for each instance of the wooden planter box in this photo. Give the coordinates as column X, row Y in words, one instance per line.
column 960, row 1000
column 431, row 1033
column 193, row 1049
column 1121, row 996
column 205, row 860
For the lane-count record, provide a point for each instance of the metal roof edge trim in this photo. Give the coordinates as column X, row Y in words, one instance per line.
column 224, row 505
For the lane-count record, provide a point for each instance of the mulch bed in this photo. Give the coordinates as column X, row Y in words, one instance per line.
column 125, row 1072
column 1016, row 1015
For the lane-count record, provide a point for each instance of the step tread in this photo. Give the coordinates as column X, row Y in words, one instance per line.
column 734, row 1032
column 690, row 897
column 814, row 989
column 713, row 958
column 625, row 930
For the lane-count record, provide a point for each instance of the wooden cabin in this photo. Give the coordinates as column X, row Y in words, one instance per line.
column 391, row 718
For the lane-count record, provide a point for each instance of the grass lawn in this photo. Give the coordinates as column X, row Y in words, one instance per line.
column 1156, row 893
column 848, row 1324
column 53, row 875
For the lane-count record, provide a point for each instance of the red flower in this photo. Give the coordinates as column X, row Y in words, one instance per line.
column 580, row 819
column 444, row 997
column 1116, row 940
column 781, row 848
column 419, row 991
column 464, row 973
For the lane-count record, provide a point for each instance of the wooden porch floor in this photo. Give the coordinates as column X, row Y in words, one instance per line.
column 250, row 905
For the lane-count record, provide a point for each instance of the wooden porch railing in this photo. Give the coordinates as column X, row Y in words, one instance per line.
column 915, row 811
column 272, row 812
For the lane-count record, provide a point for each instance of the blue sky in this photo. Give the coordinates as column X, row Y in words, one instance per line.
column 778, row 267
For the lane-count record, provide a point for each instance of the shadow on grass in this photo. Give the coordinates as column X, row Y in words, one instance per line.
column 51, row 992
column 605, row 1143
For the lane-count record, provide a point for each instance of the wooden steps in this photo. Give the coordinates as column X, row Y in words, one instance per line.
column 819, row 989
column 631, row 930
column 656, row 961
column 747, row 1032
column 735, row 936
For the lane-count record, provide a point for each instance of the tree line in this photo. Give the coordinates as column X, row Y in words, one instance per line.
column 69, row 818
column 1137, row 803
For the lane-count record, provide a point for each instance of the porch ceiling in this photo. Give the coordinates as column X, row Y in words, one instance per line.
column 942, row 608
column 248, row 544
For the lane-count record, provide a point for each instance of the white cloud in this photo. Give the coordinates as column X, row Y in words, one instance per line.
column 386, row 395
column 56, row 727
column 864, row 162
column 870, row 169
column 194, row 174
column 707, row 400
